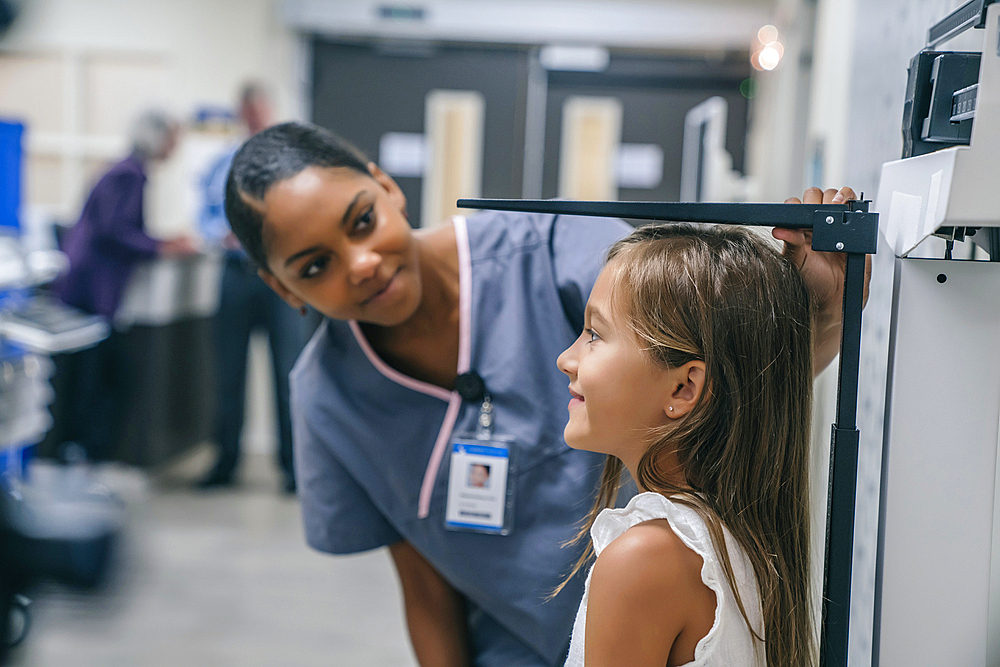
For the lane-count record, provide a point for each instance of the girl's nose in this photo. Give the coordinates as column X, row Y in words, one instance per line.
column 567, row 361
column 364, row 264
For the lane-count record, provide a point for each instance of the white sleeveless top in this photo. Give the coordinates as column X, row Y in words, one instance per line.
column 729, row 642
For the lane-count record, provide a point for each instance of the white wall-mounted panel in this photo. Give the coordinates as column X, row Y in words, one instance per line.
column 939, row 475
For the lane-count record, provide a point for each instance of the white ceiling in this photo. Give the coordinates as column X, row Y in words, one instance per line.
column 678, row 24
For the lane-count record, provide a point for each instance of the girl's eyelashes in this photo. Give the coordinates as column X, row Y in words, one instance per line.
column 594, row 336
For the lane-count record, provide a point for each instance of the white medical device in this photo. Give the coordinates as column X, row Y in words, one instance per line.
column 930, row 378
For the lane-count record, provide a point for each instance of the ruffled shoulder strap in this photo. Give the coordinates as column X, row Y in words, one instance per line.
column 729, row 641
column 684, row 521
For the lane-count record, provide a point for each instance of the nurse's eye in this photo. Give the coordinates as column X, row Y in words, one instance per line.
column 364, row 222
column 594, row 337
column 315, row 267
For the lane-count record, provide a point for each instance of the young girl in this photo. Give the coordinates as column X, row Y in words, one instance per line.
column 694, row 374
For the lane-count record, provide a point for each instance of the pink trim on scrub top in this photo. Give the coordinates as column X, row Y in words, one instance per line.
column 464, row 359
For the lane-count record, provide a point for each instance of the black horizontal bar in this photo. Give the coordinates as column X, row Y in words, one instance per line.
column 793, row 216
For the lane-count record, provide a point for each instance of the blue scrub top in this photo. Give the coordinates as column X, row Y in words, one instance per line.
column 370, row 443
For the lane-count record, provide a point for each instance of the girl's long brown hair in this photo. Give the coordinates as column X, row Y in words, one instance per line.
column 725, row 297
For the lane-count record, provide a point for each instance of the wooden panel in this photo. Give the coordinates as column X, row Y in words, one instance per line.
column 591, row 134
column 454, row 132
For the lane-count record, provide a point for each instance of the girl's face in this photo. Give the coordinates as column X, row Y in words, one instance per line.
column 618, row 393
column 339, row 241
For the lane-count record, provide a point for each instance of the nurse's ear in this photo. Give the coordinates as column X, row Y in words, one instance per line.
column 396, row 196
column 295, row 302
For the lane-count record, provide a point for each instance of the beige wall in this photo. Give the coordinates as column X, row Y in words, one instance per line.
column 77, row 70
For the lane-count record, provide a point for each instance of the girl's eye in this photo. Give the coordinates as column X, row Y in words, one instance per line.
column 315, row 267
column 593, row 335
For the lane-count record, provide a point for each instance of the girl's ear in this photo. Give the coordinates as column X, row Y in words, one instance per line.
column 688, row 381
column 295, row 302
column 396, row 195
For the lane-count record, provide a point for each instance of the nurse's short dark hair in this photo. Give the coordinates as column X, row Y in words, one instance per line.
column 271, row 156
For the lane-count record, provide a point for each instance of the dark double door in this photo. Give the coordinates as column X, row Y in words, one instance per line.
column 363, row 90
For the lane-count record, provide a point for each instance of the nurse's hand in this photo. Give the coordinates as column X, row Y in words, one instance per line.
column 823, row 273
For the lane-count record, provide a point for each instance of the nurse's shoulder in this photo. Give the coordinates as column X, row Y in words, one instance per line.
column 319, row 358
column 500, row 232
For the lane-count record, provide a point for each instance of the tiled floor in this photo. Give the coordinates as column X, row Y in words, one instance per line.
column 221, row 579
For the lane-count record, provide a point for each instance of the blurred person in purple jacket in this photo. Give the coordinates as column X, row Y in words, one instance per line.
column 110, row 237
column 103, row 248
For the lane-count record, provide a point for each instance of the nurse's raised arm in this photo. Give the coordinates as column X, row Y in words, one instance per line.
column 823, row 273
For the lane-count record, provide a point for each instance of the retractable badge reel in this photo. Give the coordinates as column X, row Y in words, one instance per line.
column 480, row 488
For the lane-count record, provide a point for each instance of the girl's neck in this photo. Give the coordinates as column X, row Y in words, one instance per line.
column 668, row 470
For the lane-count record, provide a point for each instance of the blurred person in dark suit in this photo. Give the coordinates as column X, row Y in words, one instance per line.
column 246, row 304
column 103, row 248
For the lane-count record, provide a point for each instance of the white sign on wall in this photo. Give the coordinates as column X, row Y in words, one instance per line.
column 402, row 154
column 640, row 165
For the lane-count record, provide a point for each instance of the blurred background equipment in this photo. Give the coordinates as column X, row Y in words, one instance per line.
column 707, row 172
column 9, row 10
column 64, row 532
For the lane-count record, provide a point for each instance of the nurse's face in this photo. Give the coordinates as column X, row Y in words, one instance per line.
column 339, row 241
column 619, row 395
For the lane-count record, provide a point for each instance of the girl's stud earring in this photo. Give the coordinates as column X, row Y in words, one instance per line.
column 671, row 408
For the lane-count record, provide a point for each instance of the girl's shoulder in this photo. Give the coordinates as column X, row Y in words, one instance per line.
column 648, row 582
column 653, row 529
column 683, row 521
column 658, row 569
column 625, row 563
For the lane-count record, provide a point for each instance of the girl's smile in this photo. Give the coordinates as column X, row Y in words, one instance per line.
column 576, row 399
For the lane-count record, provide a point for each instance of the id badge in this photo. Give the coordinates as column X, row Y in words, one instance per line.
column 480, row 493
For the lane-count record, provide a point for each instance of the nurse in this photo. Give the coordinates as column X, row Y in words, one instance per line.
column 437, row 355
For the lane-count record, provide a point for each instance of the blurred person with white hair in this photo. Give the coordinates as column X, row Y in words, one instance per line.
column 103, row 248
column 247, row 304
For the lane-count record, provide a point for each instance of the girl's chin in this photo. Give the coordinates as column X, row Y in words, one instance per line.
column 575, row 441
